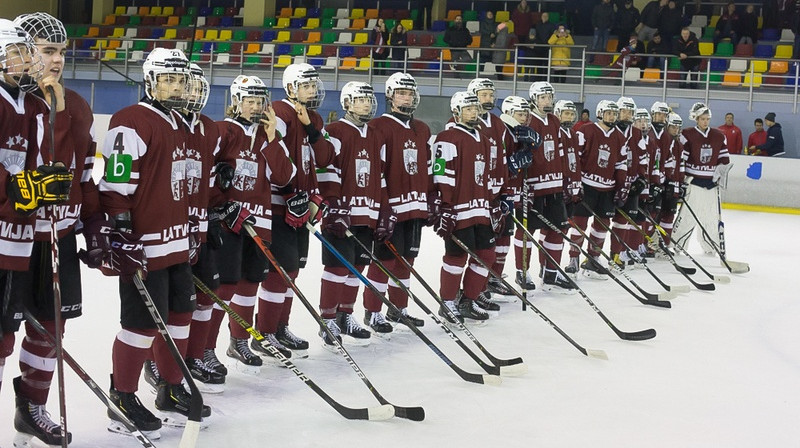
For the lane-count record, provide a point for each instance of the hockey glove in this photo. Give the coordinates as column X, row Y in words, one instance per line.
column 519, row 161
column 434, row 208
column 621, row 197
column 317, row 208
column 296, row 208
column 97, row 232
column 445, row 222
column 127, row 255
column 638, row 186
column 337, row 218
column 225, row 174
column 214, row 233
column 194, row 240
column 528, row 136
column 313, row 133
column 677, row 189
column 573, row 192
column 498, row 217
column 656, row 190
column 506, row 204
column 233, row 215
column 720, row 176
column 386, row 222
column 46, row 185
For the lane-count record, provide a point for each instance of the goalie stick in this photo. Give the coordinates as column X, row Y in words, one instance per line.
column 599, row 354
column 735, row 267
column 383, row 412
column 90, row 383
column 416, row 413
column 625, row 335
column 466, row 376
column 491, row 369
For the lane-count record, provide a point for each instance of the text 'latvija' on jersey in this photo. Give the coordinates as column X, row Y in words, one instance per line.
column 546, row 173
column 603, row 157
column 703, row 151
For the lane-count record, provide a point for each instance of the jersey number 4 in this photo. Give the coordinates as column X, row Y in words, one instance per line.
column 118, row 166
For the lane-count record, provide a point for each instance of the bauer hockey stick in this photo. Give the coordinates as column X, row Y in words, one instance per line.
column 192, row 429
column 383, row 412
column 633, row 254
column 684, row 271
column 717, row 278
column 525, row 256
column 54, row 255
column 600, row 354
column 90, row 383
column 491, row 369
column 659, row 300
column 496, row 361
column 415, row 413
column 735, row 267
column 625, row 335
column 466, row 376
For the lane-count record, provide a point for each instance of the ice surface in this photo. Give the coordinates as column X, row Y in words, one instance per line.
column 723, row 370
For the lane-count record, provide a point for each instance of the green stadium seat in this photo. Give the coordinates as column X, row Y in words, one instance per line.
column 724, row 49
column 328, row 13
column 329, row 38
column 470, row 15
column 269, row 22
column 240, row 35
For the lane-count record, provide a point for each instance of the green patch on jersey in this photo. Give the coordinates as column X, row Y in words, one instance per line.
column 118, row 168
column 438, row 166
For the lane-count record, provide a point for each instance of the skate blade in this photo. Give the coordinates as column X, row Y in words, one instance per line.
column 500, row 297
column 355, row 342
column 208, row 388
column 475, row 323
column 274, row 362
column 558, row 290
column 594, row 275
column 118, row 428
column 383, row 336
column 244, row 368
column 299, row 354
column 178, row 420
column 329, row 347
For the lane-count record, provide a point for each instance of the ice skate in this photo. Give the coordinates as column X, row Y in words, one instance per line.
column 380, row 327
column 352, row 333
column 246, row 361
column 172, row 405
column 296, row 344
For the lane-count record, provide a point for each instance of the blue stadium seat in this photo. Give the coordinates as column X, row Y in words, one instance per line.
column 439, row 25
column 313, row 13
column 226, row 22
column 282, row 49
column 771, row 34
column 268, row 36
column 345, row 52
column 764, row 51
column 719, row 65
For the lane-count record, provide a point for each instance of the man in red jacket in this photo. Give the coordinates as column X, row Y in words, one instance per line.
column 758, row 137
column 733, row 134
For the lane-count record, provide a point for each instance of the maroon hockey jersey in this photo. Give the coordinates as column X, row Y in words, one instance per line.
column 258, row 165
column 356, row 174
column 202, row 149
column 569, row 146
column 603, row 157
column 546, row 173
column 407, row 165
column 461, row 174
column 307, row 157
column 703, row 151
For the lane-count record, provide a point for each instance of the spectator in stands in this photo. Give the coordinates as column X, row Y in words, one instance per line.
column 757, row 138
column 774, row 144
column 733, row 134
column 561, row 53
column 748, row 26
column 628, row 18
column 585, row 119
column 523, row 21
column 398, row 39
column 627, row 57
column 500, row 42
column 657, row 45
column 669, row 23
column 650, row 15
column 728, row 24
column 697, row 8
column 458, row 38
column 487, row 30
column 379, row 38
column 602, row 22
column 544, row 30
column 687, row 48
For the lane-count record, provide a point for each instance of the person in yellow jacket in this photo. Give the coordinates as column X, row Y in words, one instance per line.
column 561, row 53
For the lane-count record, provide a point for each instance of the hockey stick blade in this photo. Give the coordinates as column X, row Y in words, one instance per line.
column 637, row 335
column 492, row 380
column 723, row 279
column 679, row 289
column 415, row 413
column 685, row 269
column 382, row 412
column 736, row 267
column 513, row 370
column 599, row 354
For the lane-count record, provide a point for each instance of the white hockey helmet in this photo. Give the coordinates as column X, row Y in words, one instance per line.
column 362, row 111
column 297, row 75
column 564, row 106
column 478, row 84
column 513, row 105
column 461, row 100
column 19, row 58
column 41, row 25
column 674, row 120
column 660, row 107
column 697, row 110
column 199, row 89
column 605, row 105
column 642, row 118
column 625, row 102
column 165, row 61
column 402, row 81
column 248, row 86
column 538, row 89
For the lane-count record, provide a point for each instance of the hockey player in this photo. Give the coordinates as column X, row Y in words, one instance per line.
column 462, row 181
column 501, row 141
column 354, row 188
column 545, row 179
column 30, row 183
column 304, row 135
column 409, row 182
column 144, row 189
column 603, row 159
column 670, row 173
column 567, row 114
column 706, row 162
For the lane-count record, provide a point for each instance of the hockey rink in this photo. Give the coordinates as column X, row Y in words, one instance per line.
column 724, row 369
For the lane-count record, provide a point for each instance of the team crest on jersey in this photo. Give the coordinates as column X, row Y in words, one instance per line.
column 410, row 157
column 178, row 174
column 549, row 147
column 306, row 158
column 362, row 168
column 244, row 178
column 573, row 162
column 194, row 171
column 603, row 155
column 705, row 153
column 492, row 154
column 480, row 167
column 12, row 155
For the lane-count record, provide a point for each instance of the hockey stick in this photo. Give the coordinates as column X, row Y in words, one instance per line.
column 415, row 413
column 744, row 267
column 491, row 369
column 496, row 361
column 684, row 271
column 382, row 412
column 192, row 429
column 600, row 354
column 659, row 300
column 633, row 254
column 525, row 258
column 625, row 335
column 54, row 254
column 90, row 383
column 466, row 376
column 717, row 278
column 735, row 267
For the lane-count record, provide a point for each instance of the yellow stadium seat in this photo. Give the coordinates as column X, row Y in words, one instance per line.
column 503, row 16
column 119, row 32
column 408, row 24
column 510, row 25
column 155, row 11
column 299, row 13
column 732, row 79
column 225, row 35
column 713, row 22
column 283, row 36
column 348, row 63
column 109, row 55
column 283, row 22
column 783, row 52
column 364, row 64
column 357, row 13
column 360, row 38
column 706, row 48
column 120, row 10
column 284, row 60
column 651, row 75
column 758, row 66
column 778, row 67
column 314, row 50
column 99, row 44
column 168, row 11
column 312, row 24
column 212, row 34
column 170, row 33
column 756, row 80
